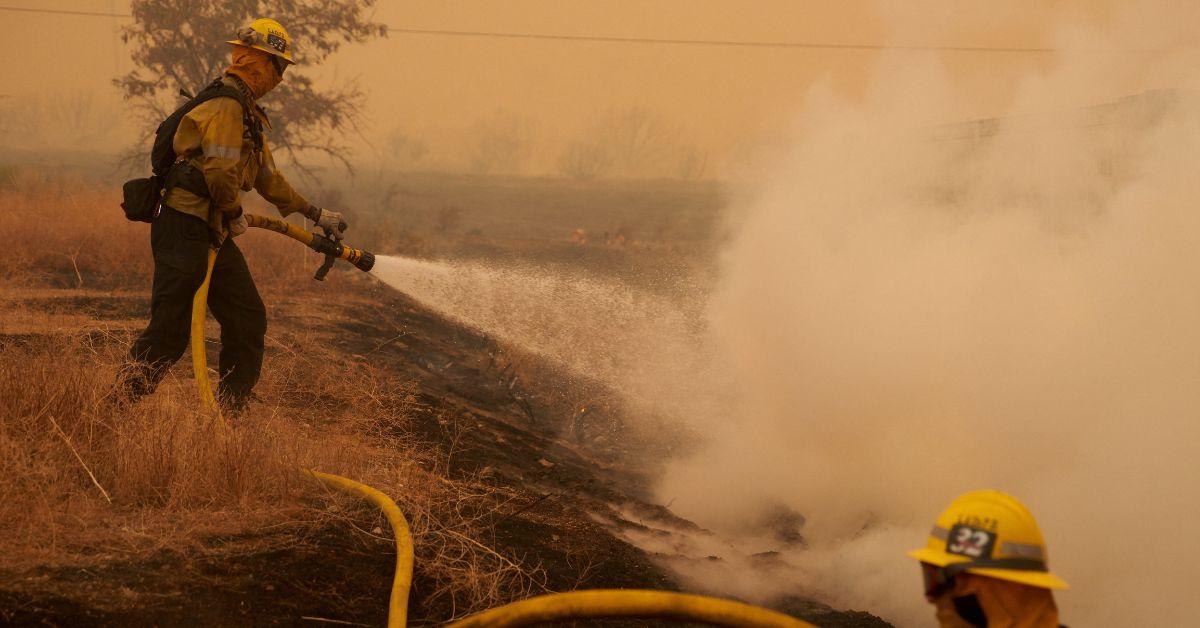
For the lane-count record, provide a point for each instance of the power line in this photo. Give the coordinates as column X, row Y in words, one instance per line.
column 741, row 44
column 65, row 12
column 685, row 42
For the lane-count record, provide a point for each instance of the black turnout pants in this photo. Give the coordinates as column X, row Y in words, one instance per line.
column 180, row 243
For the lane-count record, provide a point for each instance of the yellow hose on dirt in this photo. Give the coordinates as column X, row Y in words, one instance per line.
column 629, row 603
column 363, row 260
column 199, row 357
column 402, row 581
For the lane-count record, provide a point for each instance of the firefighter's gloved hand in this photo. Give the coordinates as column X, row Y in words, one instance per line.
column 237, row 226
column 332, row 223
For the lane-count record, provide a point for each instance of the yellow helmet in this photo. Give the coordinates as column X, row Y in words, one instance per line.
column 268, row 36
column 992, row 534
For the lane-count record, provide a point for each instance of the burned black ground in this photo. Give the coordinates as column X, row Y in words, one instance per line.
column 508, row 419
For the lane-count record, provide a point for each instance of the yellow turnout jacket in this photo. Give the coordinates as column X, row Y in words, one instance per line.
column 213, row 139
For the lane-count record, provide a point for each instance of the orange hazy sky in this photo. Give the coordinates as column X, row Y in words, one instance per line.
column 435, row 84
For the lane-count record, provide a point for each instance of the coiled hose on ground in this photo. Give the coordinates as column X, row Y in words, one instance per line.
column 594, row 604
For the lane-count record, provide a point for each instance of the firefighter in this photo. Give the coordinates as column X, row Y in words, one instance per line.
column 220, row 152
column 984, row 564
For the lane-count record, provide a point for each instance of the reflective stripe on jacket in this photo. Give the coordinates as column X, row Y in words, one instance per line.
column 213, row 139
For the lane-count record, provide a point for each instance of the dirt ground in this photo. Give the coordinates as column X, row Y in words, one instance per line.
column 527, row 479
column 503, row 419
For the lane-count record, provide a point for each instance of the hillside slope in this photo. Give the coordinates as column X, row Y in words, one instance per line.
column 476, row 416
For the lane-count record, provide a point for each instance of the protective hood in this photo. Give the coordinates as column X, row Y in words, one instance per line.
column 1005, row 604
column 255, row 69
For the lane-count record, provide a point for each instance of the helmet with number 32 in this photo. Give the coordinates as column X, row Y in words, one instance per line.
column 991, row 534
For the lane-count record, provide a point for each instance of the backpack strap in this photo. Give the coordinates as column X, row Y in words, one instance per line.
column 187, row 176
column 252, row 125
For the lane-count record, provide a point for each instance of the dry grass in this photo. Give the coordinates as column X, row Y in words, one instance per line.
column 83, row 480
column 176, row 476
column 70, row 233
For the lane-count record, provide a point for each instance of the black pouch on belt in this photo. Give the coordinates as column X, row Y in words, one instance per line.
column 185, row 176
column 141, row 198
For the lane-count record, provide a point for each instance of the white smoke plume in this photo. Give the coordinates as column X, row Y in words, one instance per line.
column 913, row 309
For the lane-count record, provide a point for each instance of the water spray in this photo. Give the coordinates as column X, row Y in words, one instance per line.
column 616, row 603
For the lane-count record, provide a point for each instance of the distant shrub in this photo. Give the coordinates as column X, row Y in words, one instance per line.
column 585, row 161
column 7, row 175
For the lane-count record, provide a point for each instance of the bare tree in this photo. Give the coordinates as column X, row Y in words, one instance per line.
column 692, row 163
column 640, row 139
column 585, row 160
column 447, row 218
column 503, row 143
column 56, row 119
column 75, row 113
column 21, row 118
column 402, row 149
column 80, row 118
column 180, row 45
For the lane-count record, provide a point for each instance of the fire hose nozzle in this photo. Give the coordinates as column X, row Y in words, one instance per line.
column 330, row 248
column 366, row 262
column 333, row 250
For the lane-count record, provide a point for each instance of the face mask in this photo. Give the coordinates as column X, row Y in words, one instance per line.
column 971, row 601
column 256, row 70
column 969, row 609
column 948, row 615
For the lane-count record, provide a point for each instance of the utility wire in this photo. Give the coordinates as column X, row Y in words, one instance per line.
column 685, row 42
column 757, row 44
column 64, row 12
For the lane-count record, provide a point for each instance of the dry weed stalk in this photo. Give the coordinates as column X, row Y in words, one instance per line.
column 83, row 464
column 172, row 480
column 168, row 481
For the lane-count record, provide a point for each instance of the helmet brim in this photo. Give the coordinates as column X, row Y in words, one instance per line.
column 267, row 49
column 1040, row 579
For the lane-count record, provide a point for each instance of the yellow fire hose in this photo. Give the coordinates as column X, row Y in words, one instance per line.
column 332, row 249
column 629, row 603
column 402, row 581
column 600, row 603
column 199, row 356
